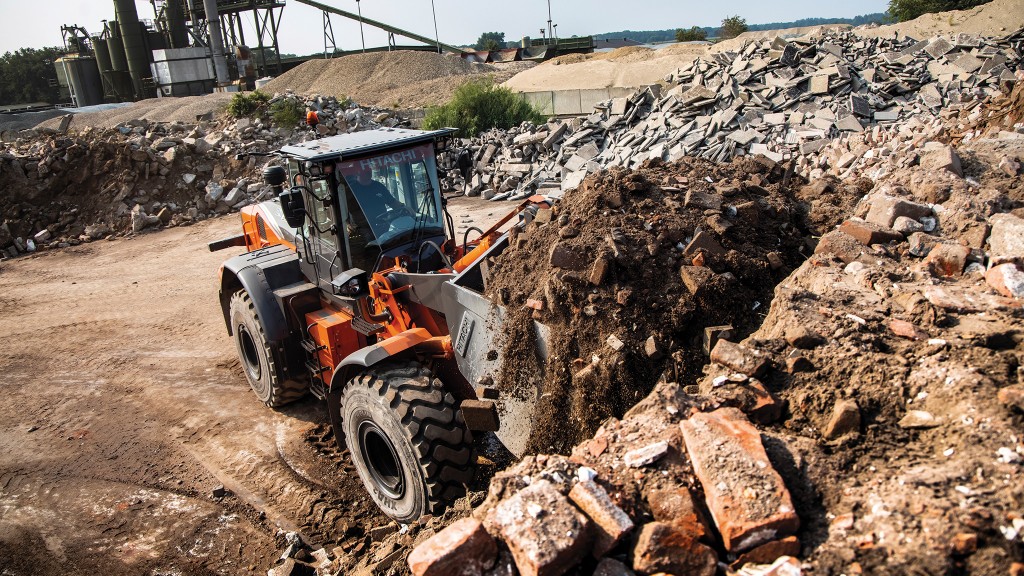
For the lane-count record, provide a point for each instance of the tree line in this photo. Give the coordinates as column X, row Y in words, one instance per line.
column 27, row 75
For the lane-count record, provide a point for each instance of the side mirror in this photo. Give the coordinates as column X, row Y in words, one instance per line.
column 293, row 206
column 352, row 283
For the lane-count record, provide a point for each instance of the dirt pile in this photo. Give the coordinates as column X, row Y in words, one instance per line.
column 63, row 189
column 400, row 79
column 602, row 272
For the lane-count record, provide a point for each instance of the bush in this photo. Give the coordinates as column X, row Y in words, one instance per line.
column 247, row 103
column 286, row 113
column 732, row 27
column 479, row 105
column 903, row 10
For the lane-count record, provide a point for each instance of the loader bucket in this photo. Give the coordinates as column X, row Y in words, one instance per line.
column 479, row 339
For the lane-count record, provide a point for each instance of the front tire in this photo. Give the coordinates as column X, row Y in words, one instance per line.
column 407, row 440
column 261, row 366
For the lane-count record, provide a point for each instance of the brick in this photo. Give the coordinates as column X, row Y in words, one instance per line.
column 867, row 233
column 841, row 245
column 905, row 329
column 947, row 259
column 1012, row 396
column 703, row 241
column 599, row 271
column 751, row 397
column 845, row 420
column 463, row 548
column 885, row 209
column 1006, row 240
column 646, row 455
column 546, row 534
column 663, row 548
column 609, row 523
column 944, row 158
column 1007, row 279
column 770, row 552
column 564, row 256
column 675, row 506
column 739, row 358
column 746, row 496
column 696, row 278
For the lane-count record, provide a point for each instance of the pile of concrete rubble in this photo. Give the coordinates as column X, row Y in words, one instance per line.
column 787, row 100
column 65, row 188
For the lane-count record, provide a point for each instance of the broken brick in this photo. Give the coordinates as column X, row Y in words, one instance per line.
column 546, row 534
column 695, row 278
column 739, row 358
column 947, row 259
column 611, row 567
column 1007, row 279
column 770, row 552
column 845, row 420
column 886, row 209
column 841, row 245
column 464, row 547
column 703, row 241
column 867, row 233
column 803, row 337
column 663, row 548
column 564, row 256
column 906, row 329
column 746, row 496
column 944, row 158
column 610, row 523
column 652, row 348
column 1012, row 395
column 675, row 506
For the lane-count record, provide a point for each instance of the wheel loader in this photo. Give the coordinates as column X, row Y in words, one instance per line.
column 354, row 288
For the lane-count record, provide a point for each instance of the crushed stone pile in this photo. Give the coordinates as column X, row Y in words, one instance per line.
column 63, row 188
column 786, row 100
column 627, row 271
column 399, row 79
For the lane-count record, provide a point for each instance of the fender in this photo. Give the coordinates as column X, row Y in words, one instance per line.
column 261, row 272
column 370, row 355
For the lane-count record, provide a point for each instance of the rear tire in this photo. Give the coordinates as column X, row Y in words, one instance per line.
column 261, row 366
column 407, row 439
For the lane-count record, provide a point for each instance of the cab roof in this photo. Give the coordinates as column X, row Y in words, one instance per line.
column 361, row 143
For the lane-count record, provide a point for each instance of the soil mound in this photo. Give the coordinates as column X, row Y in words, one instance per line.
column 629, row 271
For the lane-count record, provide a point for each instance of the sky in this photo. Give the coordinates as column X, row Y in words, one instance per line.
column 460, row 22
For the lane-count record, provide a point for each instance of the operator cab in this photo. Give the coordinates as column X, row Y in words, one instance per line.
column 368, row 198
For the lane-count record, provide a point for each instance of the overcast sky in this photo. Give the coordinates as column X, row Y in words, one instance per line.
column 37, row 24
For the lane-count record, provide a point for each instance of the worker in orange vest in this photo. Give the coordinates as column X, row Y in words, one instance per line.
column 312, row 119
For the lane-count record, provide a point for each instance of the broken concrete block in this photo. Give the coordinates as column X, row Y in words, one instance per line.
column 611, row 567
column 599, row 271
column 662, row 548
column 867, row 233
column 610, row 523
column 652, row 348
column 944, row 158
column 739, row 358
column 462, row 548
column 646, row 455
column 564, row 256
column 703, row 241
column 845, row 420
column 746, row 496
column 546, row 534
column 1006, row 279
column 1006, row 239
column 886, row 209
column 947, row 259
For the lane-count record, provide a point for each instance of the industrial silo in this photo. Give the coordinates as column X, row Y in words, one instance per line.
column 83, row 77
column 134, row 44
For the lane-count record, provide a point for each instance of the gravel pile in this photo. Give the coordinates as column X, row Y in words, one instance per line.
column 400, row 79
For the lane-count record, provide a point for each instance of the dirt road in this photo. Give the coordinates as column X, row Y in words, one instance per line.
column 123, row 409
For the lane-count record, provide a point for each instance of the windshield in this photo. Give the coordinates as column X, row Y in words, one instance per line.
column 397, row 194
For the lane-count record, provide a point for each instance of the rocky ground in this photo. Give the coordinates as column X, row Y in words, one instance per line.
column 785, row 344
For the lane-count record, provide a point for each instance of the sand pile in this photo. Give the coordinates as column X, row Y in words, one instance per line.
column 619, row 310
column 400, row 79
column 625, row 67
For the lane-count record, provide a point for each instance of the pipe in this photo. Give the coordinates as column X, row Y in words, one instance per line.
column 220, row 63
column 176, row 24
column 134, row 44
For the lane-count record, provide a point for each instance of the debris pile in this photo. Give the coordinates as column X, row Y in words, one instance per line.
column 786, row 100
column 68, row 187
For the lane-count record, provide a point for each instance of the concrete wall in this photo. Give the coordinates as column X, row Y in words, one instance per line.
column 573, row 102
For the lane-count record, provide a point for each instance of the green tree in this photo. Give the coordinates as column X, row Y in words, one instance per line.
column 903, row 10
column 28, row 76
column 490, row 41
column 479, row 105
column 692, row 35
column 732, row 27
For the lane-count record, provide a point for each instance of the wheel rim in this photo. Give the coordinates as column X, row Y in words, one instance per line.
column 250, row 357
column 381, row 459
